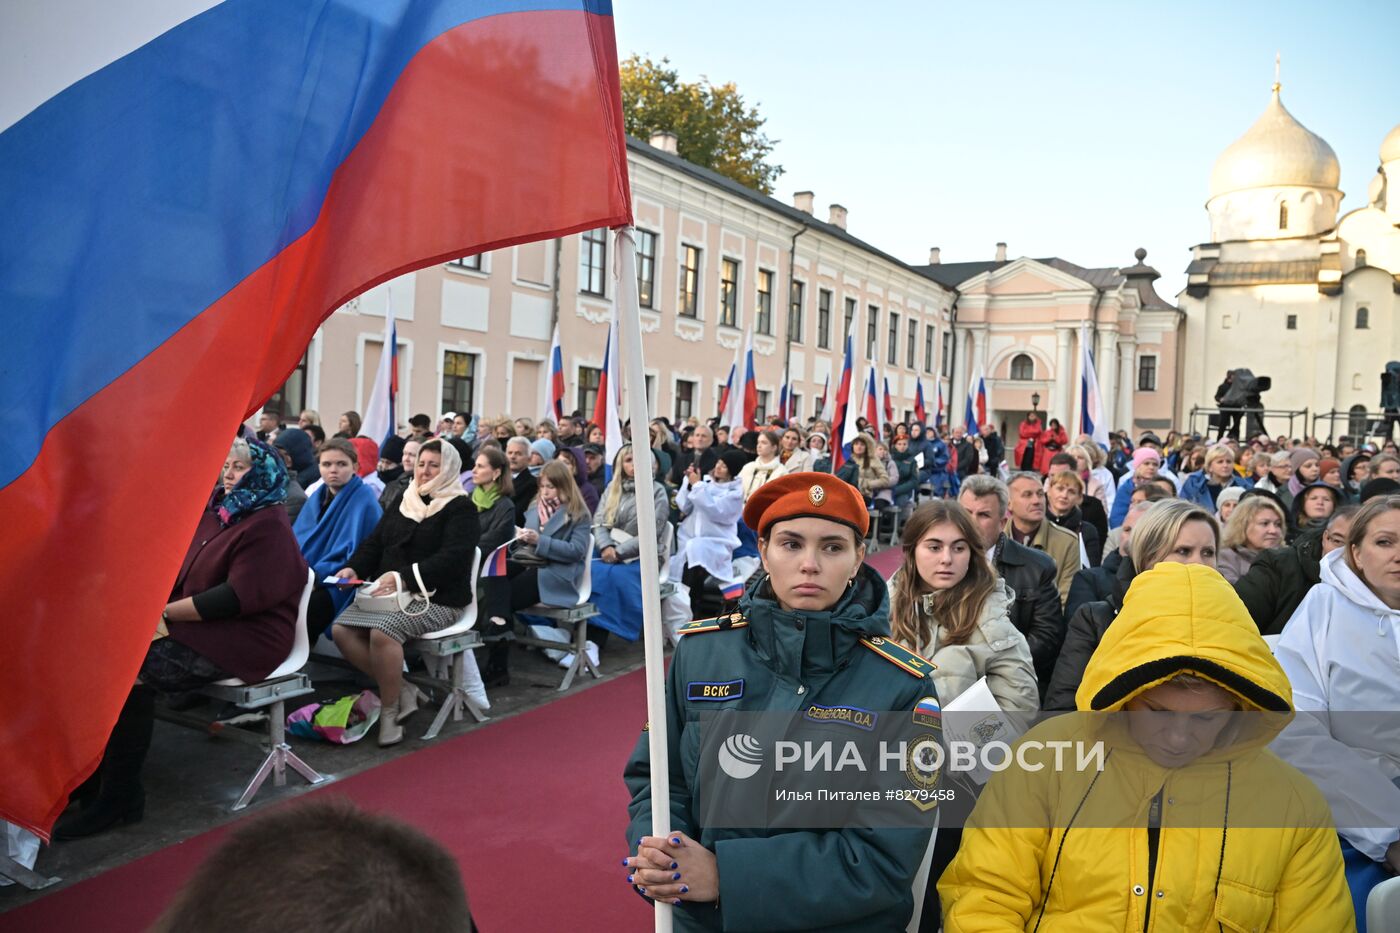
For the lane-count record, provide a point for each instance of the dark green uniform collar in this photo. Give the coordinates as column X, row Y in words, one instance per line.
column 807, row 647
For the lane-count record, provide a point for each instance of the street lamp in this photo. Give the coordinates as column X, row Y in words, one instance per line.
column 1035, row 402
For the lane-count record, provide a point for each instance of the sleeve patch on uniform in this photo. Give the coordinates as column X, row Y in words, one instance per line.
column 714, row 691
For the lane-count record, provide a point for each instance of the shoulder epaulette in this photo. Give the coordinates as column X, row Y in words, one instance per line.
column 732, row 620
column 914, row 665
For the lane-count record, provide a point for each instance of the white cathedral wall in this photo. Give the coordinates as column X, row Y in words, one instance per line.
column 1235, row 327
column 1253, row 214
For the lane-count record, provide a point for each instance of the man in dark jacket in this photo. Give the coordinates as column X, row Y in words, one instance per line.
column 522, row 481
column 967, row 454
column 1280, row 577
column 996, row 450
column 698, row 451
column 1030, row 573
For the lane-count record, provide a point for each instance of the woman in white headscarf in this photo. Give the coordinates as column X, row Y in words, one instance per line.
column 424, row 545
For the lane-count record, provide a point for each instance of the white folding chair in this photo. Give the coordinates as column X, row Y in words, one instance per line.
column 1383, row 907
column 570, row 617
column 447, row 651
column 286, row 682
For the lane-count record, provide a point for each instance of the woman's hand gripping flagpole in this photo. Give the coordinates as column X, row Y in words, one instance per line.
column 653, row 639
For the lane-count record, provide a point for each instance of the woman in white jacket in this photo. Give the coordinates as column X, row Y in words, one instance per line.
column 768, row 465
column 711, row 509
column 1341, row 651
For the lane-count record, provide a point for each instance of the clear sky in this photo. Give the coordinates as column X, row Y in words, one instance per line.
column 1081, row 130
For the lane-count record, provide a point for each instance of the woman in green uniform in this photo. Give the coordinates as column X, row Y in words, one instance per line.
column 810, row 632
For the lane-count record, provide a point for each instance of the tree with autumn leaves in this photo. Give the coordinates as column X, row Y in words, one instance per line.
column 713, row 124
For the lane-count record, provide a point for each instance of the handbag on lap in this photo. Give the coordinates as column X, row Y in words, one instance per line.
column 397, row 601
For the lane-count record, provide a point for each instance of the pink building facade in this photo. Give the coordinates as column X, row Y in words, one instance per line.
column 716, row 259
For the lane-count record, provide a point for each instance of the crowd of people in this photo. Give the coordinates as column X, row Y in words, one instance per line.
column 1047, row 575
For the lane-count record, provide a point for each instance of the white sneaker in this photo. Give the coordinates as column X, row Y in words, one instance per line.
column 568, row 660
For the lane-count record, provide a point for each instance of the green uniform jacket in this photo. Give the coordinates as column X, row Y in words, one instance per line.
column 829, row 880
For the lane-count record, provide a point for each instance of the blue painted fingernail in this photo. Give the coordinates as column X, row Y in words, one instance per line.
column 625, row 861
column 674, row 866
column 676, row 876
column 639, row 842
column 685, row 889
column 629, row 878
column 642, row 889
column 675, row 840
column 677, row 902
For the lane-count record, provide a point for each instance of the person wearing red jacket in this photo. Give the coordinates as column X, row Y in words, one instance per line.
column 1052, row 440
column 1028, row 443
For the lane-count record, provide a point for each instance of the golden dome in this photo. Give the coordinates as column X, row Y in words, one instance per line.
column 1276, row 151
column 1390, row 147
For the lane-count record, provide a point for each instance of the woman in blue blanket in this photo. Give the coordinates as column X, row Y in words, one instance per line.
column 617, row 576
column 332, row 523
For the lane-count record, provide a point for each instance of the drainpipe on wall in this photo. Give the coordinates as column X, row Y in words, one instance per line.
column 787, row 324
column 952, row 357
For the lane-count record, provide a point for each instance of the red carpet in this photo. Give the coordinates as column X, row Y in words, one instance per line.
column 546, row 784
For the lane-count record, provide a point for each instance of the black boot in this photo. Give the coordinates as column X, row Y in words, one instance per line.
column 120, row 798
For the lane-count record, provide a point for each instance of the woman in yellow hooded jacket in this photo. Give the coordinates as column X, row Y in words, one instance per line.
column 1189, row 823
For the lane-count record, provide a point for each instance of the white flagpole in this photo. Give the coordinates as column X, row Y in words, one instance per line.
column 653, row 638
column 379, row 415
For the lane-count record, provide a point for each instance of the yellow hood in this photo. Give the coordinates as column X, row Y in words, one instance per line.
column 1183, row 618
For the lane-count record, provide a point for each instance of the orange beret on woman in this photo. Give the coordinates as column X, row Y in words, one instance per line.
column 806, row 495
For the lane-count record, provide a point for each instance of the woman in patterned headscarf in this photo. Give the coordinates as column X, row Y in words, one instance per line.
column 232, row 613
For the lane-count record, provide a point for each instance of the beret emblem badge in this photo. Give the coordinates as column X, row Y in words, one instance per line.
column 816, row 495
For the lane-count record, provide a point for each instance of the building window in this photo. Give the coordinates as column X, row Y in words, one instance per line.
column 458, row 381
column 913, row 345
column 763, row 397
column 685, row 400
column 892, row 351
column 290, row 400
column 823, row 319
column 729, row 293
column 795, row 405
column 928, row 348
column 946, row 365
column 1147, row 374
column 1291, row 323
column 850, row 316
column 589, row 379
column 646, row 268
column 471, row 263
column 795, row 302
column 1363, row 318
column 1022, row 367
column 1356, row 422
column 1283, row 216
column 690, row 281
column 1360, row 259
column 592, row 260
column 872, row 332
column 763, row 316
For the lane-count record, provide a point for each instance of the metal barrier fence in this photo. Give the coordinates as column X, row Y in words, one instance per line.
column 1214, row 422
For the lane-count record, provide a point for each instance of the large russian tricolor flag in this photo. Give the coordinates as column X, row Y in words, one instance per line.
column 185, row 195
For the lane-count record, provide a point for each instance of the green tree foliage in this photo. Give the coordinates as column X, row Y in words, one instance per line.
column 714, row 126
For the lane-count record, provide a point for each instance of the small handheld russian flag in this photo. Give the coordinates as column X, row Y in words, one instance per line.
column 495, row 563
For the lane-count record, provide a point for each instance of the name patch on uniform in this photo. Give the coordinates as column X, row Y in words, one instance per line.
column 846, row 715
column 711, row 691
